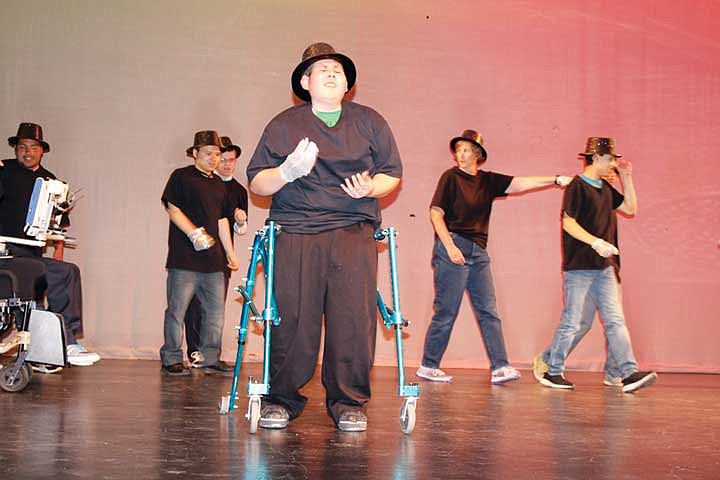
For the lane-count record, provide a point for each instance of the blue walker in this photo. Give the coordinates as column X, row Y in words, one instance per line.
column 263, row 250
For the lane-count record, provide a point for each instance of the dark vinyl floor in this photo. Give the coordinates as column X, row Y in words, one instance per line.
column 123, row 419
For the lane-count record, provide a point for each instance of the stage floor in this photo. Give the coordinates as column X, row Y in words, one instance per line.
column 124, row 419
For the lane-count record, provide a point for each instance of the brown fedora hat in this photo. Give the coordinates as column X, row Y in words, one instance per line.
column 227, row 145
column 470, row 136
column 204, row 138
column 313, row 53
column 601, row 146
column 29, row 131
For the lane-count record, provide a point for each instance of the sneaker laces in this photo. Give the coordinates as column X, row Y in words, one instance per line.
column 197, row 359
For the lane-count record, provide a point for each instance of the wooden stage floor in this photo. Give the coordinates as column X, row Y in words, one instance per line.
column 123, row 419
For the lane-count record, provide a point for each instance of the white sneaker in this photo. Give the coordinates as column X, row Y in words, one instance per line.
column 504, row 374
column 612, row 382
column 197, row 359
column 78, row 355
column 434, row 374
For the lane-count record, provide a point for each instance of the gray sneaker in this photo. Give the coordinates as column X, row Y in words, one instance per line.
column 274, row 416
column 353, row 420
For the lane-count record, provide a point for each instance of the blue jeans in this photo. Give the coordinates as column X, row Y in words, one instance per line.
column 602, row 287
column 587, row 317
column 182, row 285
column 451, row 281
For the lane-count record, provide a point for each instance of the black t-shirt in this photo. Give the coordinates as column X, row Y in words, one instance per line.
column 594, row 210
column 16, row 187
column 467, row 201
column 204, row 200
column 360, row 141
column 238, row 197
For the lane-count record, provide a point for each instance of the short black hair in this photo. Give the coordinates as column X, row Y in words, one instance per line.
column 233, row 148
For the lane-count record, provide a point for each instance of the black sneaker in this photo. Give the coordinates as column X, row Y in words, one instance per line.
column 175, row 370
column 638, row 380
column 220, row 368
column 556, row 381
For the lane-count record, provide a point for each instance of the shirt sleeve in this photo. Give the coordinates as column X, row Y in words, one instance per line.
column 262, row 158
column 387, row 157
column 442, row 197
column 571, row 199
column 618, row 198
column 173, row 192
column 498, row 183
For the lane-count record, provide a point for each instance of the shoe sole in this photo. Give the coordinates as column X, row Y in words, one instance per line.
column 273, row 424
column 504, row 380
column 435, row 379
column 184, row 373
column 608, row 383
column 352, row 426
column 548, row 383
column 646, row 381
column 81, row 363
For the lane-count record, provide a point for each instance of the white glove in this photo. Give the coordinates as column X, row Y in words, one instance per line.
column 604, row 249
column 200, row 239
column 300, row 162
column 562, row 180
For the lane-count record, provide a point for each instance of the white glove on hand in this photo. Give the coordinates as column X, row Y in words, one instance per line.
column 562, row 180
column 300, row 162
column 604, row 249
column 200, row 239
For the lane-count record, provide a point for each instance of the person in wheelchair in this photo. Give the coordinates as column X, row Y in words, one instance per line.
column 64, row 290
column 325, row 162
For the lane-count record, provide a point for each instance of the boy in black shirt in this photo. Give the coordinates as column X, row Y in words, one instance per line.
column 325, row 189
column 591, row 263
column 198, row 207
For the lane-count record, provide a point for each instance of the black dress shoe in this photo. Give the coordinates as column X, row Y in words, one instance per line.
column 175, row 370
column 220, row 367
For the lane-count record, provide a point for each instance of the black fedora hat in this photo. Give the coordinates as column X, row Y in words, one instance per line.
column 204, row 138
column 29, row 131
column 601, row 146
column 227, row 145
column 470, row 136
column 313, row 53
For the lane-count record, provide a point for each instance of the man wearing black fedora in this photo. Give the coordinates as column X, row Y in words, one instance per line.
column 591, row 267
column 17, row 180
column 200, row 212
column 239, row 199
column 326, row 162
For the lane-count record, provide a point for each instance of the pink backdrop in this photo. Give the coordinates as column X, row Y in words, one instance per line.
column 120, row 87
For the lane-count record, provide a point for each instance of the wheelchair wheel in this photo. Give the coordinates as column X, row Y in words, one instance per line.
column 253, row 413
column 17, row 384
column 407, row 415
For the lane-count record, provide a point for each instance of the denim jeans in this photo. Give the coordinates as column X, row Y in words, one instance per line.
column 182, row 285
column 587, row 317
column 602, row 287
column 451, row 281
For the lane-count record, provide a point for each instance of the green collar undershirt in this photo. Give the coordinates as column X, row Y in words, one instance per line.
column 329, row 118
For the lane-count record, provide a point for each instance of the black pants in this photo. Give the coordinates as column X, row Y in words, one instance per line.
column 331, row 274
column 193, row 318
column 64, row 291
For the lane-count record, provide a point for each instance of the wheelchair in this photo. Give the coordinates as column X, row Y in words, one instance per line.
column 39, row 336
column 22, row 285
column 263, row 251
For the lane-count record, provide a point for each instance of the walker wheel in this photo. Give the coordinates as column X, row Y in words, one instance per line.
column 224, row 404
column 253, row 413
column 407, row 415
column 17, row 384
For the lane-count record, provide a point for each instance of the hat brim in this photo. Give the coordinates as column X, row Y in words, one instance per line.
column 455, row 140
column 586, row 154
column 348, row 68
column 12, row 141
